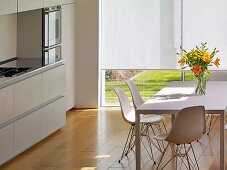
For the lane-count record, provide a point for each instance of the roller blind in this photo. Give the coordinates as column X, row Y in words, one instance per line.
column 206, row 21
column 140, row 34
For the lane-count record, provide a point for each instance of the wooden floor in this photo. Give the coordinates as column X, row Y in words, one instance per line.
column 94, row 139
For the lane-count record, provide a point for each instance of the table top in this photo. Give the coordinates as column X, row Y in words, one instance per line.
column 178, row 95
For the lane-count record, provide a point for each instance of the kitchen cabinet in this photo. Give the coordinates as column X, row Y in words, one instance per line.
column 48, row 3
column 53, row 117
column 26, row 119
column 25, row 5
column 69, row 52
column 6, row 104
column 6, row 143
column 27, row 94
column 53, row 83
column 27, row 131
column 69, row 1
column 8, row 6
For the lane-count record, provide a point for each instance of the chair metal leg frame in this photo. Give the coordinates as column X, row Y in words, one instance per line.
column 159, row 143
column 164, row 125
column 211, row 122
column 147, row 135
column 130, row 142
column 183, row 153
column 127, row 144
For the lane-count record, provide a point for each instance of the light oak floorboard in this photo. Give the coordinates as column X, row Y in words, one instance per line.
column 94, row 139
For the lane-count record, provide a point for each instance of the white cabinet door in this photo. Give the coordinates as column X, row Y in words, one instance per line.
column 6, row 143
column 48, row 3
column 26, row 5
column 6, row 104
column 27, row 94
column 69, row 1
column 27, row 131
column 8, row 6
column 69, row 52
column 53, row 83
column 53, row 117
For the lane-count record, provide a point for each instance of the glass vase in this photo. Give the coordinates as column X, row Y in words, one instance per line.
column 200, row 84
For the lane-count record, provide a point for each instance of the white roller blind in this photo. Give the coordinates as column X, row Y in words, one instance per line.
column 206, row 21
column 140, row 34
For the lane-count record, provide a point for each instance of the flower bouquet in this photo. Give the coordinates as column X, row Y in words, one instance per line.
column 198, row 60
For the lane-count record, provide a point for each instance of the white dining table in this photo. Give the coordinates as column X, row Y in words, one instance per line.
column 178, row 95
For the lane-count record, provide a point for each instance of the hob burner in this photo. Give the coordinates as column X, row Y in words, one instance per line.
column 10, row 71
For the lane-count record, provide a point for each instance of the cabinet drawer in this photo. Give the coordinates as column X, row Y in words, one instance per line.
column 53, row 83
column 53, row 117
column 6, row 104
column 27, row 131
column 6, row 143
column 27, row 94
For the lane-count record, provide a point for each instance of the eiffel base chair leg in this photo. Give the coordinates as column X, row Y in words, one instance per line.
column 181, row 155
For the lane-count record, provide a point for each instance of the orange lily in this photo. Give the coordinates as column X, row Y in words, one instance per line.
column 216, row 62
column 197, row 70
column 181, row 61
column 206, row 58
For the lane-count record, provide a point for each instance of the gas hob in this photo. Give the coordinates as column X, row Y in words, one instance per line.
column 11, row 71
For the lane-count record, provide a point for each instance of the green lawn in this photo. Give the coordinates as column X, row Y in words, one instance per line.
column 147, row 82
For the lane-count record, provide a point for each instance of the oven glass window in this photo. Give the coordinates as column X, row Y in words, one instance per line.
column 54, row 28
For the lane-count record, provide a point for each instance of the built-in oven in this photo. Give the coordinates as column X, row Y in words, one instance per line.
column 52, row 26
column 51, row 34
column 52, row 55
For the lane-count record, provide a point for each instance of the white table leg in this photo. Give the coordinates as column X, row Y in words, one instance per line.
column 138, row 147
column 222, row 141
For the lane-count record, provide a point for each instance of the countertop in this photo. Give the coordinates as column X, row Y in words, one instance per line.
column 34, row 64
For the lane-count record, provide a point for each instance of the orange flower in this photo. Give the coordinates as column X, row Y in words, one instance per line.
column 182, row 61
column 197, row 70
column 216, row 62
column 206, row 58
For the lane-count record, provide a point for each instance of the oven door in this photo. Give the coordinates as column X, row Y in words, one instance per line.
column 52, row 26
column 52, row 55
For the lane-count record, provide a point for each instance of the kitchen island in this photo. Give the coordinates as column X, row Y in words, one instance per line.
column 32, row 105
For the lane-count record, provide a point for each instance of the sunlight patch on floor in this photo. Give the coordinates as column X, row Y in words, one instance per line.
column 102, row 156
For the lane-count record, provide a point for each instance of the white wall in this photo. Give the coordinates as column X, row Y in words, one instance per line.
column 8, row 36
column 87, row 51
column 69, row 52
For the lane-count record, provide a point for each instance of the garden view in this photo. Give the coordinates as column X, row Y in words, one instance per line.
column 148, row 82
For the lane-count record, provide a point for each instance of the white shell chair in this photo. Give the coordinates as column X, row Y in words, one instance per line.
column 128, row 114
column 137, row 101
column 212, row 118
column 188, row 127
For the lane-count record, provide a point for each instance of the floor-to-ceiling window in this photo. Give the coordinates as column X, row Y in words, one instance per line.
column 136, row 36
column 140, row 38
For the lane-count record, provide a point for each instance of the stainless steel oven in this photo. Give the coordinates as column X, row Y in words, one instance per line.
column 52, row 26
column 51, row 34
column 52, row 55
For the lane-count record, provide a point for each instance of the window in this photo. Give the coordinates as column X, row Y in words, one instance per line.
column 148, row 82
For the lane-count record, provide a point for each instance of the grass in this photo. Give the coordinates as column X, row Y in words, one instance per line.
column 147, row 82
